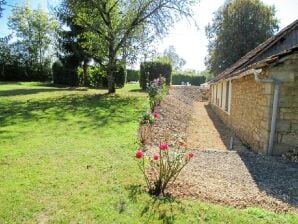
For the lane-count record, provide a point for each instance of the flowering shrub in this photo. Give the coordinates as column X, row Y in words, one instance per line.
column 163, row 167
column 156, row 89
column 149, row 118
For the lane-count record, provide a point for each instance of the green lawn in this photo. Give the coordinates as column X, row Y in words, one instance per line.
column 67, row 156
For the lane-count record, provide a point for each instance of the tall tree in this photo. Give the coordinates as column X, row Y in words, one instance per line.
column 34, row 32
column 5, row 53
column 237, row 27
column 176, row 61
column 72, row 53
column 115, row 26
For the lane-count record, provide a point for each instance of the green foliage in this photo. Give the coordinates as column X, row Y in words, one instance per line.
column 34, row 30
column 119, row 30
column 97, row 76
column 71, row 51
column 238, row 27
column 63, row 75
column 176, row 61
column 133, row 75
column 154, row 70
column 147, row 119
column 194, row 79
column 120, row 76
column 157, row 90
column 165, row 165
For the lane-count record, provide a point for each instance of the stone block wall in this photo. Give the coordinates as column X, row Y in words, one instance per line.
column 287, row 123
column 250, row 112
column 251, row 108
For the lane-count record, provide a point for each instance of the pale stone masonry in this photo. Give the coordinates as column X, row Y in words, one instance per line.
column 287, row 122
column 244, row 95
column 249, row 112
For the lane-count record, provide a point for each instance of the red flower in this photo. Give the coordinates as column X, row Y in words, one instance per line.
column 155, row 115
column 156, row 156
column 189, row 156
column 139, row 154
column 163, row 146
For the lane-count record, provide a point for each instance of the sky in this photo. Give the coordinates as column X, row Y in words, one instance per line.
column 190, row 42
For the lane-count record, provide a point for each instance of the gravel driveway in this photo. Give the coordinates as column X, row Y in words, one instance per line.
column 238, row 178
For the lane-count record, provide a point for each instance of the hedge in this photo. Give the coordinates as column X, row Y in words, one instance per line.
column 133, row 75
column 194, row 80
column 63, row 75
column 120, row 76
column 153, row 70
column 98, row 77
column 17, row 72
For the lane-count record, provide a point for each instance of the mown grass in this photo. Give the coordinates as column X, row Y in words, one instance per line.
column 67, row 156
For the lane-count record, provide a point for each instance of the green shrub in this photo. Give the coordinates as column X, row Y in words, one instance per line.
column 14, row 71
column 120, row 76
column 97, row 77
column 157, row 90
column 133, row 75
column 166, row 164
column 63, row 75
column 153, row 70
column 195, row 80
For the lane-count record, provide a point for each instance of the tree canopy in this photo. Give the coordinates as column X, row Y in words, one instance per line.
column 115, row 29
column 238, row 27
column 176, row 61
column 71, row 51
column 33, row 31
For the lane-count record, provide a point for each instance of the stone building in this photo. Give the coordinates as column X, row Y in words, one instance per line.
column 257, row 97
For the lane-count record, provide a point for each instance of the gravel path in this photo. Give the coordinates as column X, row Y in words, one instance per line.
column 206, row 131
column 238, row 178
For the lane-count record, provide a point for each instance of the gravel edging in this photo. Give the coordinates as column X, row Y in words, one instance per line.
column 237, row 178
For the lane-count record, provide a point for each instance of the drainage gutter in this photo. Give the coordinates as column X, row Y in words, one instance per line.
column 276, row 83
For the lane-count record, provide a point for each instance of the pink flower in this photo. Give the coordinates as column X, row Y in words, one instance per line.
column 155, row 115
column 139, row 154
column 163, row 146
column 189, row 156
column 156, row 156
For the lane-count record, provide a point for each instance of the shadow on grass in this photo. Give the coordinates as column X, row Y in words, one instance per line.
column 137, row 91
column 164, row 209
column 16, row 92
column 89, row 111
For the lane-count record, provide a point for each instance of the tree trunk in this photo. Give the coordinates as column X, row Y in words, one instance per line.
column 85, row 74
column 111, row 68
column 111, row 79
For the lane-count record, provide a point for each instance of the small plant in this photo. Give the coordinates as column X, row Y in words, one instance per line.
column 156, row 89
column 144, row 132
column 163, row 167
column 147, row 118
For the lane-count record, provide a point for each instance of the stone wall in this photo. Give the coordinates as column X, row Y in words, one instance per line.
column 250, row 112
column 251, row 108
column 287, row 122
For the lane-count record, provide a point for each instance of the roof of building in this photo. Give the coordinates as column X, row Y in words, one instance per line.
column 262, row 52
